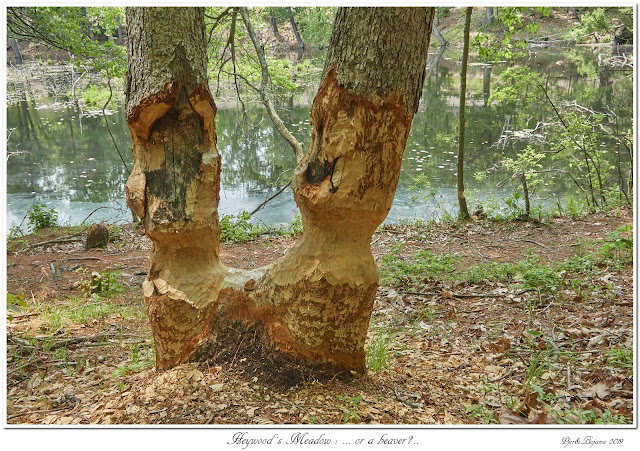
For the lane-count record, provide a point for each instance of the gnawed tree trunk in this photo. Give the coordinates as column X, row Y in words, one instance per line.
column 174, row 184
column 314, row 303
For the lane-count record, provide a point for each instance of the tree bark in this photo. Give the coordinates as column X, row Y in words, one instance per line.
column 486, row 83
column 274, row 26
column 489, row 18
column 16, row 51
column 462, row 201
column 439, row 36
column 294, row 27
column 313, row 304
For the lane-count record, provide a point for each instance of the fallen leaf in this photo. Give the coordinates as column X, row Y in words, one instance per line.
column 511, row 417
column 600, row 390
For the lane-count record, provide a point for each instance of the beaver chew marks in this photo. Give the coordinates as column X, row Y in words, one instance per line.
column 318, row 170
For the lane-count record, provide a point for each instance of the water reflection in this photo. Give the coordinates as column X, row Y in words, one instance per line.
column 69, row 162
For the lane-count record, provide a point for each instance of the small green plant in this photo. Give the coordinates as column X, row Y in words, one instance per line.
column 107, row 282
column 239, row 229
column 541, row 278
column 15, row 304
column 539, row 363
column 622, row 358
column 352, row 408
column 52, row 318
column 491, row 271
column 39, row 217
column 103, row 283
column 609, row 418
column 135, row 364
column 84, row 314
column 481, row 413
column 619, row 242
column 15, row 232
column 293, row 228
column 575, row 208
column 377, row 352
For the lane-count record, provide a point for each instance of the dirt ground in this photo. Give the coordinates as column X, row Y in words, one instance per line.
column 455, row 352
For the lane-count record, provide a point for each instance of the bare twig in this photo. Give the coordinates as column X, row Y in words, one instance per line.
column 217, row 19
column 25, row 315
column 100, row 208
column 39, row 411
column 455, row 295
column 404, row 401
column 294, row 405
column 104, row 114
column 64, row 239
column 501, row 377
column 535, row 242
column 255, row 210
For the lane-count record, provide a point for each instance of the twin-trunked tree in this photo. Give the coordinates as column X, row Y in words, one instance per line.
column 314, row 303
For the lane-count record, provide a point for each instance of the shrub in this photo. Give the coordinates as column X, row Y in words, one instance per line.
column 40, row 217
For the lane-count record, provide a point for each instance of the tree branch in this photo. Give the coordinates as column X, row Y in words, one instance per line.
column 265, row 95
column 104, row 114
column 265, row 202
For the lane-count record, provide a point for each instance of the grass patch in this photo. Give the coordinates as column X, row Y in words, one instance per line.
column 621, row 358
column 139, row 359
column 420, row 266
column 239, row 228
column 378, row 352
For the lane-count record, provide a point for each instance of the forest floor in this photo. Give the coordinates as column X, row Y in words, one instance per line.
column 475, row 323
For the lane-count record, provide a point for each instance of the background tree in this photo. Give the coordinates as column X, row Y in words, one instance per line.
column 462, row 201
column 489, row 18
column 315, row 302
column 72, row 29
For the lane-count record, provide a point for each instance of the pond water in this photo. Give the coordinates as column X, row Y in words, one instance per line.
column 69, row 158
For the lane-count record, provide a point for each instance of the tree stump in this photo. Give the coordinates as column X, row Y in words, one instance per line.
column 97, row 236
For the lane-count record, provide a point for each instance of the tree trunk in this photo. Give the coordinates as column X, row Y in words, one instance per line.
column 16, row 51
column 525, row 190
column 462, row 201
column 439, row 37
column 274, row 26
column 294, row 27
column 486, row 83
column 314, row 303
column 119, row 30
column 489, row 15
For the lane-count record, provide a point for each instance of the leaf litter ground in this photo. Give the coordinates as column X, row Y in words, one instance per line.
column 443, row 347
